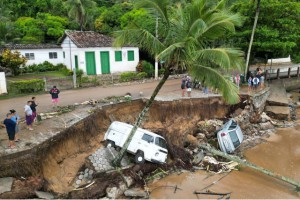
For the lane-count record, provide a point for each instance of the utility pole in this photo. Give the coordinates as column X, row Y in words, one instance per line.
column 156, row 35
column 71, row 65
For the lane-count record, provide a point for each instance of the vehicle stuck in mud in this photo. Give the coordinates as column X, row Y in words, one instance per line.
column 230, row 136
column 145, row 145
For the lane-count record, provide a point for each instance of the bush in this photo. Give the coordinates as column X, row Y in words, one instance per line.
column 141, row 75
column 148, row 68
column 127, row 76
column 43, row 67
column 161, row 71
column 66, row 71
column 26, row 86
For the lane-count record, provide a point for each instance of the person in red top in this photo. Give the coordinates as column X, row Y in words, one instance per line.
column 54, row 94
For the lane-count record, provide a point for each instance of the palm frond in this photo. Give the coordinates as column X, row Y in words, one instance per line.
column 139, row 38
column 225, row 58
column 156, row 7
column 213, row 78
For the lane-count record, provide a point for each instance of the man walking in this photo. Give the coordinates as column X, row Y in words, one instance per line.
column 33, row 108
column 54, row 94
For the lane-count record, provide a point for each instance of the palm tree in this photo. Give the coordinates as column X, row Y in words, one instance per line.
column 77, row 9
column 187, row 42
column 252, row 35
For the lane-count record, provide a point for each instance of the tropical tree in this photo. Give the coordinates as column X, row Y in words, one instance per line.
column 12, row 60
column 77, row 9
column 187, row 41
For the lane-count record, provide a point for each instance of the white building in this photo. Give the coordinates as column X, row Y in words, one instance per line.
column 38, row 53
column 87, row 50
column 93, row 53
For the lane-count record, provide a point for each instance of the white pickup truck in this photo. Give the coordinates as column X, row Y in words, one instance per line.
column 145, row 145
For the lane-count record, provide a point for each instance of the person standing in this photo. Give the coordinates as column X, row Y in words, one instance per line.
column 250, row 84
column 255, row 82
column 16, row 118
column 28, row 115
column 10, row 129
column 262, row 81
column 33, row 108
column 54, row 94
column 189, row 87
column 183, row 86
column 237, row 80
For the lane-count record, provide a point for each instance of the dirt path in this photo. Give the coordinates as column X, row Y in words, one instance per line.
column 68, row 97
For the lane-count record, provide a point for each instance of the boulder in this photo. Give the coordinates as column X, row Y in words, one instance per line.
column 198, row 158
column 278, row 112
column 135, row 192
column 5, row 184
column 44, row 195
column 266, row 126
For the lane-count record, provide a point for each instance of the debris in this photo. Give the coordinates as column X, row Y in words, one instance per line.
column 44, row 195
column 135, row 192
column 5, row 184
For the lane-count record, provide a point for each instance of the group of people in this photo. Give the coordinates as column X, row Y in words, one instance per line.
column 11, row 122
column 256, row 81
column 186, row 86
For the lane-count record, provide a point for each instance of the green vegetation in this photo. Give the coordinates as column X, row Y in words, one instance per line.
column 12, row 60
column 26, row 86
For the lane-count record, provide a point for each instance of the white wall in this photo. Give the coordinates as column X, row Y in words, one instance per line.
column 115, row 67
column 280, row 60
column 3, row 88
column 41, row 55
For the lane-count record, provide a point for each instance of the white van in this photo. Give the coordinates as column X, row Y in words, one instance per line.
column 144, row 144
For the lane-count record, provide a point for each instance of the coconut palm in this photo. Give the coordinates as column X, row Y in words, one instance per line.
column 77, row 9
column 187, row 42
column 252, row 35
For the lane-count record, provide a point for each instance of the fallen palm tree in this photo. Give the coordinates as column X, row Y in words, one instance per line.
column 251, row 165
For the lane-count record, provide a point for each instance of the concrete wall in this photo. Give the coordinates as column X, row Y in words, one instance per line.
column 3, row 88
column 291, row 83
column 280, row 60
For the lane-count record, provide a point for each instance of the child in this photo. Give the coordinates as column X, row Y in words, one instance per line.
column 255, row 82
column 249, row 84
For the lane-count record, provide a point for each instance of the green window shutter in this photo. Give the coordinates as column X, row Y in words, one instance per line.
column 118, row 55
column 130, row 55
column 64, row 54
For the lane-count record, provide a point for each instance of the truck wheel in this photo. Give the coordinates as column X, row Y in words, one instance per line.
column 139, row 157
column 110, row 144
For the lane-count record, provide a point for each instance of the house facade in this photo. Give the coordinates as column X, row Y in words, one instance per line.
column 38, row 53
column 86, row 50
column 93, row 53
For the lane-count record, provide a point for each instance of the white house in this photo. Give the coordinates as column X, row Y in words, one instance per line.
column 93, row 53
column 87, row 50
column 38, row 53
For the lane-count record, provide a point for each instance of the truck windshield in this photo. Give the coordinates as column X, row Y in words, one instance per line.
column 160, row 142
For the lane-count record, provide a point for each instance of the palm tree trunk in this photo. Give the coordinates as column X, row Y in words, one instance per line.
column 116, row 162
column 251, row 165
column 252, row 37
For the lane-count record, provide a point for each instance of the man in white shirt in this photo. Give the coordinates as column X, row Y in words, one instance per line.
column 28, row 115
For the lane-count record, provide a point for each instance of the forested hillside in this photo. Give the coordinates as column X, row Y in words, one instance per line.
column 44, row 21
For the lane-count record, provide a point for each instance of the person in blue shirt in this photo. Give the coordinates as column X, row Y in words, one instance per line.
column 16, row 118
column 10, row 129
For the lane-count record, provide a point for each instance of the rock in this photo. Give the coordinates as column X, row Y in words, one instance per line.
column 135, row 192
column 238, row 112
column 265, row 117
column 115, row 192
column 80, row 177
column 200, row 136
column 78, row 182
column 5, row 184
column 129, row 181
column 44, row 195
column 266, row 126
column 198, row 158
column 278, row 112
column 192, row 140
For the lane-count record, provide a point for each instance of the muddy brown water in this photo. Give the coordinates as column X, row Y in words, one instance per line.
column 280, row 154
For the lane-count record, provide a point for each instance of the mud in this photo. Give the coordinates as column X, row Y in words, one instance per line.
column 279, row 154
column 59, row 159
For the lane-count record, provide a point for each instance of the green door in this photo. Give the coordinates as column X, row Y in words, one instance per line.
column 105, row 66
column 90, row 63
column 76, row 62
